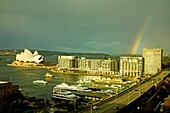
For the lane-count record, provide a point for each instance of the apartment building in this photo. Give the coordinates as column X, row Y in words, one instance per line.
column 7, row 89
column 93, row 66
column 67, row 62
column 152, row 60
column 98, row 66
column 131, row 66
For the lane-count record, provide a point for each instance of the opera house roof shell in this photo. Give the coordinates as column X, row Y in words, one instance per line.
column 27, row 56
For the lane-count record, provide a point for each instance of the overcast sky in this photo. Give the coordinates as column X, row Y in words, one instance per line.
column 106, row 26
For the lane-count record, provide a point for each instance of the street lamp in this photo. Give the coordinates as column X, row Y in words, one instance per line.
column 91, row 108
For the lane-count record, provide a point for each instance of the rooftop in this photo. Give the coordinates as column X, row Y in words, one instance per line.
column 3, row 82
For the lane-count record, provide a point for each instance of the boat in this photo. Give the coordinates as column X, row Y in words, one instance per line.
column 64, row 95
column 78, row 88
column 62, row 85
column 84, row 81
column 40, row 82
column 48, row 75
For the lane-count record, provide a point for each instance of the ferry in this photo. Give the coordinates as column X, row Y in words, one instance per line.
column 40, row 82
column 78, row 88
column 63, row 94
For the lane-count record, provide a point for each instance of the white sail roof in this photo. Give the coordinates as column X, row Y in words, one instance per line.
column 35, row 53
column 27, row 56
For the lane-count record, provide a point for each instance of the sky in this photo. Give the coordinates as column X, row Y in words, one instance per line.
column 104, row 26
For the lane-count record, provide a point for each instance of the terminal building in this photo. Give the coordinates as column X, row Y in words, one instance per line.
column 152, row 60
column 131, row 66
column 7, row 89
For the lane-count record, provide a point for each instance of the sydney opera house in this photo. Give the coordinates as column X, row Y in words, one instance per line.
column 27, row 56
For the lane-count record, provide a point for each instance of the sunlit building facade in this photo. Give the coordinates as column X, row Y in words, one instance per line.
column 67, row 62
column 152, row 60
column 99, row 66
column 91, row 66
column 131, row 66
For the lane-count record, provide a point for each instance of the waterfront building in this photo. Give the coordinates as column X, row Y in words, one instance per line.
column 109, row 66
column 90, row 66
column 98, row 66
column 152, row 60
column 7, row 89
column 131, row 66
column 84, row 64
column 67, row 62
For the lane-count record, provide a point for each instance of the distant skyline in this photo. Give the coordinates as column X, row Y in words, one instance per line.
column 102, row 26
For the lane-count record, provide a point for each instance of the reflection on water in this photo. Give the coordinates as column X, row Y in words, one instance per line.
column 24, row 76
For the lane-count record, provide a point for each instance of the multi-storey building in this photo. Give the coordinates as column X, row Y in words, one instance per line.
column 96, row 66
column 6, row 90
column 131, row 66
column 152, row 60
column 67, row 62
column 84, row 64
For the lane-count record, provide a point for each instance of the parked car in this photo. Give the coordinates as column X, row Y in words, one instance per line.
column 95, row 107
column 115, row 107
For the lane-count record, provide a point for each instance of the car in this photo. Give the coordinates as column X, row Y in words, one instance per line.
column 115, row 107
column 140, row 92
column 95, row 107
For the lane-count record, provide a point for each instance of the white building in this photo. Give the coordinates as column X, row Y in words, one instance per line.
column 91, row 66
column 131, row 66
column 67, row 62
column 152, row 60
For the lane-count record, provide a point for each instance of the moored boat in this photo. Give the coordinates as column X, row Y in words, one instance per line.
column 64, row 94
column 84, row 81
column 65, row 86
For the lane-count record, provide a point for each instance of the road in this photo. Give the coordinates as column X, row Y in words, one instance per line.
column 130, row 96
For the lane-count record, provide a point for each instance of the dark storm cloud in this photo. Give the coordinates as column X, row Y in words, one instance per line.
column 108, row 26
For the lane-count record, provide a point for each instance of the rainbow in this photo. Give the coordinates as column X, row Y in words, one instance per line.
column 139, row 36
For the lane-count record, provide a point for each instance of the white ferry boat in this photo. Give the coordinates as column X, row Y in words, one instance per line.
column 40, row 82
column 65, row 86
column 63, row 94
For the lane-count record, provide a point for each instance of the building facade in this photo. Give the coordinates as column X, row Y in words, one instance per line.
column 98, row 66
column 6, row 89
column 91, row 66
column 131, row 66
column 152, row 60
column 67, row 62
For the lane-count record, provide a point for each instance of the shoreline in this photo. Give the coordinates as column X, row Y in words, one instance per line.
column 55, row 69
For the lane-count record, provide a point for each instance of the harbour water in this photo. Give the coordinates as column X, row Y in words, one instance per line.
column 24, row 77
